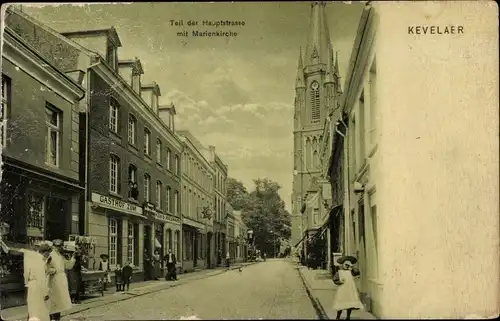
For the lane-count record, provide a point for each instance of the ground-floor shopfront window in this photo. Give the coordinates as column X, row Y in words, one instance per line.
column 176, row 249
column 133, row 243
column 188, row 245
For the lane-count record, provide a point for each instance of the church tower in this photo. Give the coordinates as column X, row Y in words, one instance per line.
column 317, row 86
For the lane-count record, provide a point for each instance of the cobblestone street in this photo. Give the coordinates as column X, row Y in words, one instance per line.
column 269, row 290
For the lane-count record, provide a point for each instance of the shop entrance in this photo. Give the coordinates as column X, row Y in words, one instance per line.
column 209, row 249
column 56, row 226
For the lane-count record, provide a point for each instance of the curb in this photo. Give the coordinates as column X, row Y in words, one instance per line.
column 113, row 298
column 320, row 311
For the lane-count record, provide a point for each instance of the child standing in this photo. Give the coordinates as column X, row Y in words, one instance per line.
column 104, row 266
column 346, row 297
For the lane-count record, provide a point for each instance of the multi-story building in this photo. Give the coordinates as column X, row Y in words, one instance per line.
column 198, row 202
column 124, row 145
column 40, row 186
column 230, row 237
column 240, row 234
column 219, row 220
column 315, row 96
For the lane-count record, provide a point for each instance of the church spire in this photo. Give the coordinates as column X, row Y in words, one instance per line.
column 330, row 71
column 299, row 82
column 318, row 42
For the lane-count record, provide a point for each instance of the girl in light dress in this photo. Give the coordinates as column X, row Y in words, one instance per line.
column 346, row 297
column 36, row 281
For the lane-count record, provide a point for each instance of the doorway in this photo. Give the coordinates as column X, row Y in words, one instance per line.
column 56, row 224
column 195, row 248
column 209, row 250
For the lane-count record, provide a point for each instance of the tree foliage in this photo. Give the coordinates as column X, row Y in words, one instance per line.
column 263, row 211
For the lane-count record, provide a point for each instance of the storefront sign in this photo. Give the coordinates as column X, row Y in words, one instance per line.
column 188, row 221
column 157, row 215
column 116, row 204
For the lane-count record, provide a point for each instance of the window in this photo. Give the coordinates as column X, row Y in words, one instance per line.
column 5, row 108
column 53, row 139
column 158, row 151
column 158, row 195
column 132, row 181
column 113, row 115
column 373, row 103
column 167, row 201
column 113, row 241
column 132, row 130
column 176, row 165
column 147, row 187
column 316, row 216
column 168, row 240
column 131, row 243
column 111, row 55
column 315, row 102
column 175, row 210
column 177, row 244
column 147, row 142
column 362, row 128
column 114, row 174
column 168, row 158
column 36, row 211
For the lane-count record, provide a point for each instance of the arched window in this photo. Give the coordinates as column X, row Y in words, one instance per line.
column 315, row 102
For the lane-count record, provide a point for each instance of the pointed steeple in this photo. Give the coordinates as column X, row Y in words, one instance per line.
column 330, row 72
column 337, row 73
column 299, row 82
column 319, row 37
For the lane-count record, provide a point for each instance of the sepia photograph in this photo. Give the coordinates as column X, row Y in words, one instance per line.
column 249, row 160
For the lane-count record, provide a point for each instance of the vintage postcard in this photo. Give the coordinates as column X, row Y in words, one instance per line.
column 249, row 160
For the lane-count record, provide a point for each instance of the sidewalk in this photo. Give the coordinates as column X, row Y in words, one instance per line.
column 136, row 289
column 321, row 289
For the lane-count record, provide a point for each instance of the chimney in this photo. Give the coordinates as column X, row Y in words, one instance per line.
column 131, row 70
column 167, row 115
column 211, row 149
column 150, row 94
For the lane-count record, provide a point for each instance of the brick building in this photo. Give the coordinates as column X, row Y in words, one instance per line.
column 40, row 187
column 129, row 157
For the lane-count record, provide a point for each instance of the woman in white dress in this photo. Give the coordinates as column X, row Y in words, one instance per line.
column 59, row 298
column 35, row 281
column 346, row 297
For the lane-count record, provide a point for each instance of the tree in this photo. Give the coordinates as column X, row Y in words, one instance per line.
column 263, row 211
column 237, row 194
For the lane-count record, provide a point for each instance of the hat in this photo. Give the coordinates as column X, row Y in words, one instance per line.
column 104, row 256
column 57, row 242
column 347, row 258
column 69, row 246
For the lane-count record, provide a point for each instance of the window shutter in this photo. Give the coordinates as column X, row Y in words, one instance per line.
column 118, row 176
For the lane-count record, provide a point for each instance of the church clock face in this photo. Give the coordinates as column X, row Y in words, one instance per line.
column 314, row 85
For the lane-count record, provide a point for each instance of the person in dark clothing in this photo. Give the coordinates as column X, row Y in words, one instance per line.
column 76, row 277
column 170, row 261
column 126, row 276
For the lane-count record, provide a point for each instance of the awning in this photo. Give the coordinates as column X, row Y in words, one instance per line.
column 157, row 243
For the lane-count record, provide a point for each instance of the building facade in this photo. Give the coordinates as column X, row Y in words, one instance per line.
column 231, row 236
column 124, row 144
column 197, row 196
column 40, row 187
column 240, row 234
column 219, row 221
column 315, row 96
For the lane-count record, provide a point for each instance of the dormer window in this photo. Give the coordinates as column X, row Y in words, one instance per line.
column 154, row 103
column 111, row 56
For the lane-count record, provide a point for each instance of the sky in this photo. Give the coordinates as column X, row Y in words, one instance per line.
column 235, row 93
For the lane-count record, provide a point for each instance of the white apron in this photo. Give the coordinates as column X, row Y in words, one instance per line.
column 347, row 296
column 59, row 298
column 35, row 281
